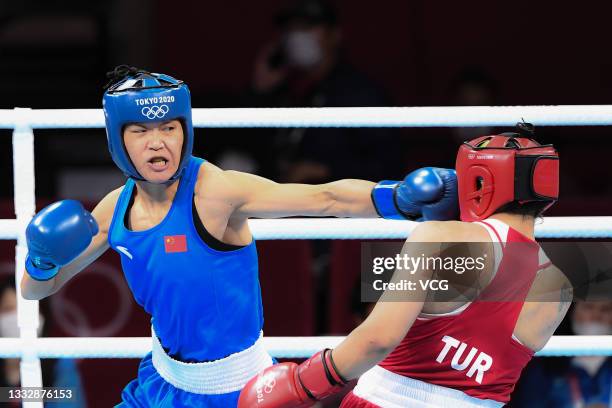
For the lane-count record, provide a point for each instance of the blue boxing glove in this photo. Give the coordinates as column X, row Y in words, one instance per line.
column 56, row 236
column 425, row 194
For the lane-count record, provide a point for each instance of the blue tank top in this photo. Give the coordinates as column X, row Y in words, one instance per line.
column 205, row 304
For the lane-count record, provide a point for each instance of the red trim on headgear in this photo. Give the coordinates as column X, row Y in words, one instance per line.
column 490, row 176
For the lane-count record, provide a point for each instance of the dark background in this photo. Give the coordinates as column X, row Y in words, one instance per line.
column 53, row 54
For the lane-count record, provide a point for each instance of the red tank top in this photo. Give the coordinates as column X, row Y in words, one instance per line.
column 474, row 351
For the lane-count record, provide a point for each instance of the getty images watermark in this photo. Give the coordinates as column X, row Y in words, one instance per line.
column 465, row 272
column 413, row 269
column 413, row 264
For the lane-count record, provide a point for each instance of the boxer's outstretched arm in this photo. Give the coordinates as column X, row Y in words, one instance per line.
column 35, row 290
column 259, row 197
column 326, row 372
column 390, row 319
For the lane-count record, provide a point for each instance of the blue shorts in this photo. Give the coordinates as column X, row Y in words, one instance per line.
column 150, row 390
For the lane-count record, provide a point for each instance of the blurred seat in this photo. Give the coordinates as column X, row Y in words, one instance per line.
column 345, row 269
column 287, row 285
column 51, row 51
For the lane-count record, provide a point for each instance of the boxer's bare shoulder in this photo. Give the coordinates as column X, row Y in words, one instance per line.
column 214, row 182
column 450, row 231
column 103, row 212
column 215, row 190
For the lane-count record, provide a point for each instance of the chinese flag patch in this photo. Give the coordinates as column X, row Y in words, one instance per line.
column 175, row 243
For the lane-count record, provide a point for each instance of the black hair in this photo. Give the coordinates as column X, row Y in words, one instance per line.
column 533, row 209
column 8, row 281
column 120, row 72
column 312, row 12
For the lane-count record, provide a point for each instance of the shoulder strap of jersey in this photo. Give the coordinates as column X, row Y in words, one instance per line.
column 499, row 228
column 121, row 206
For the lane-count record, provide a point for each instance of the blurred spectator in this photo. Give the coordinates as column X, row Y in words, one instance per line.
column 305, row 67
column 62, row 373
column 473, row 87
column 360, row 309
column 581, row 381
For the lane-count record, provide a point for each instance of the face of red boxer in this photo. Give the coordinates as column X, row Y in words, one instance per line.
column 155, row 148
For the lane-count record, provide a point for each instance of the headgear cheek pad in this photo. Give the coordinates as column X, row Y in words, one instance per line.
column 146, row 97
column 496, row 170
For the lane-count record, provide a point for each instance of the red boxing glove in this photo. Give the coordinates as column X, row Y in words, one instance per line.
column 289, row 385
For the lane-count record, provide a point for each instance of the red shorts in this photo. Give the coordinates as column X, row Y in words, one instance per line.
column 353, row 401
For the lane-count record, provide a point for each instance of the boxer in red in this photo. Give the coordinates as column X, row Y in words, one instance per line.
column 422, row 353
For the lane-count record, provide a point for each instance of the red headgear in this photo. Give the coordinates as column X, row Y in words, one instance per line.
column 495, row 170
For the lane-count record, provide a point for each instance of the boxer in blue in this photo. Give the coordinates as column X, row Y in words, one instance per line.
column 180, row 226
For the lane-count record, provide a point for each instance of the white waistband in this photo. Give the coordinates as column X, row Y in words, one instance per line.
column 222, row 376
column 389, row 390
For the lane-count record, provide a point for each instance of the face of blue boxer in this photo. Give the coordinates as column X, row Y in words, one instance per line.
column 154, row 148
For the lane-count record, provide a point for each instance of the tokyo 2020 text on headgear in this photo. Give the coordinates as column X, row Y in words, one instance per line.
column 496, row 170
column 135, row 96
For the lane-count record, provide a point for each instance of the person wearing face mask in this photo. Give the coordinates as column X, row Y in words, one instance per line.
column 472, row 86
column 61, row 373
column 576, row 382
column 305, row 67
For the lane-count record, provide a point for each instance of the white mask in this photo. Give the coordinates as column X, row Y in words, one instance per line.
column 8, row 324
column 303, row 49
column 591, row 328
column 591, row 364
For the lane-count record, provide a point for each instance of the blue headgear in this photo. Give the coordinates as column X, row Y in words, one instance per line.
column 142, row 96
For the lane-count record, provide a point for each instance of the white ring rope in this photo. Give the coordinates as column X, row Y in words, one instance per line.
column 434, row 116
column 23, row 120
column 359, row 228
column 374, row 228
column 279, row 347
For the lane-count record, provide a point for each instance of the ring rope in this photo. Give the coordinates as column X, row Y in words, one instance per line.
column 374, row 228
column 278, row 347
column 430, row 116
column 24, row 120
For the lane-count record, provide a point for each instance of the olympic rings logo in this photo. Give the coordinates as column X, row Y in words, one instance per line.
column 269, row 384
column 155, row 111
column 72, row 317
